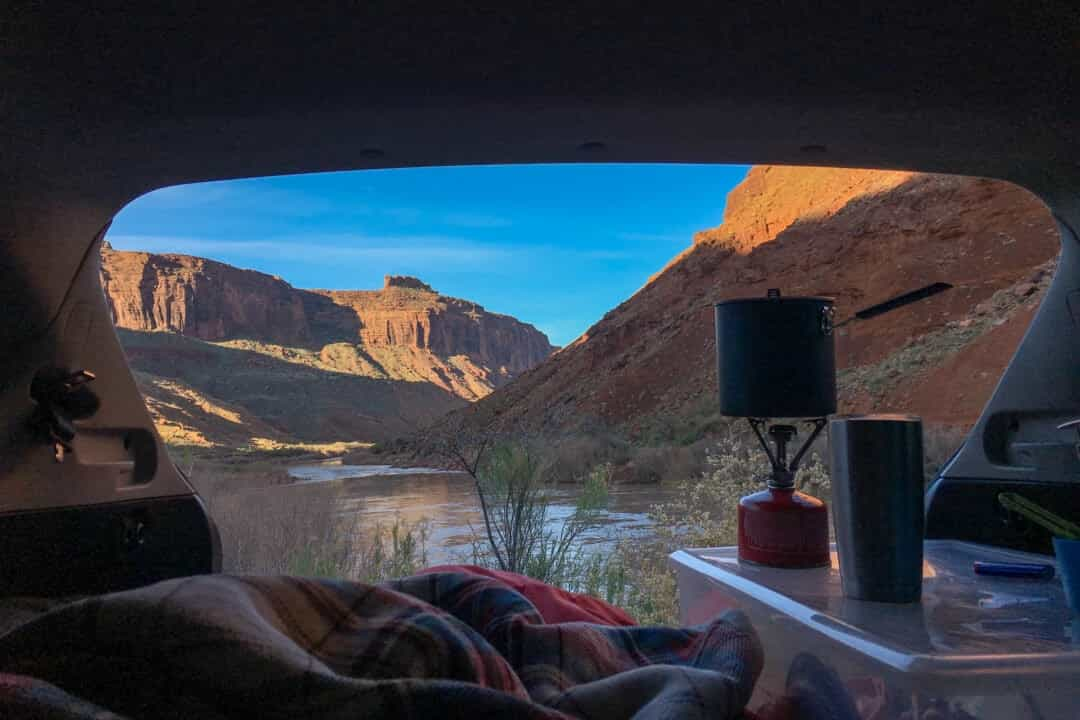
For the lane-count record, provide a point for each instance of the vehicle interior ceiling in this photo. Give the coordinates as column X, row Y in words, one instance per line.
column 100, row 108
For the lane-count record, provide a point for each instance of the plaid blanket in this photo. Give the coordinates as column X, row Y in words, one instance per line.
column 443, row 645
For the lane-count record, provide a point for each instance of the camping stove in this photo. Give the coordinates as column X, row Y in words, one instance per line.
column 781, row 526
column 776, row 359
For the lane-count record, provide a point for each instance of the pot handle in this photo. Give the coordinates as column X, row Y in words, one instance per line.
column 828, row 318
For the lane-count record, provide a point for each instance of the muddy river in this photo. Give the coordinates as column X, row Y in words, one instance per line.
column 379, row 493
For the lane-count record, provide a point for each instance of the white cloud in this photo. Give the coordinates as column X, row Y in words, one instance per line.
column 408, row 250
column 471, row 220
column 396, row 254
column 238, row 196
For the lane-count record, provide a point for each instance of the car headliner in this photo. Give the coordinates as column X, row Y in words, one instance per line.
column 163, row 95
column 101, row 106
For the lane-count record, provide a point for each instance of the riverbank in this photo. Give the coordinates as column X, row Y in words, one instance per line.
column 279, row 513
column 221, row 470
column 314, row 515
column 335, row 469
column 445, row 501
column 658, row 455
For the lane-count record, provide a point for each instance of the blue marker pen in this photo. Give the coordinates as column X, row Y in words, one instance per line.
column 1038, row 571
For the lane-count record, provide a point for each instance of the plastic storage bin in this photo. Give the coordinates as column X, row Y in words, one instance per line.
column 976, row 646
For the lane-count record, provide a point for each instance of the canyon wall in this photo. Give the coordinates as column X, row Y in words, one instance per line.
column 227, row 357
column 859, row 236
column 213, row 301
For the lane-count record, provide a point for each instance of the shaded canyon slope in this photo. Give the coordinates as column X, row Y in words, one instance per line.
column 227, row 356
column 858, row 236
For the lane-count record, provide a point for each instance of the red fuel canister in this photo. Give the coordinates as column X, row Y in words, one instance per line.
column 782, row 527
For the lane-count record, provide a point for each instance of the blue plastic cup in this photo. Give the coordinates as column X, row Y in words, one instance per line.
column 1068, row 565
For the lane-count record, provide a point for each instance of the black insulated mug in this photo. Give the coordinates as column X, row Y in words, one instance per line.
column 877, row 502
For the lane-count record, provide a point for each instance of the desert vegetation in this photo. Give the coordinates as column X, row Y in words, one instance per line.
column 302, row 530
column 635, row 573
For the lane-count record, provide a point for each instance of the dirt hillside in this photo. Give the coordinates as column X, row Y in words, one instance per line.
column 858, row 236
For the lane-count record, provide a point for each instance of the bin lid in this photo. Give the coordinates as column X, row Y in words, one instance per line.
column 965, row 625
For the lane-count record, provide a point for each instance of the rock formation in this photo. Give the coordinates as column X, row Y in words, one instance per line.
column 213, row 301
column 415, row 316
column 317, row 365
column 859, row 236
column 200, row 298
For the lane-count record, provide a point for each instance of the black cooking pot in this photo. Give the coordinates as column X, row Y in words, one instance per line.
column 776, row 357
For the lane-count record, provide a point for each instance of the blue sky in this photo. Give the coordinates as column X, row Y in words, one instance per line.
column 553, row 245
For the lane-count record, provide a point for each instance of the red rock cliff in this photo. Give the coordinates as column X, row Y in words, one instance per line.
column 860, row 236
column 213, row 301
column 200, row 298
column 407, row 312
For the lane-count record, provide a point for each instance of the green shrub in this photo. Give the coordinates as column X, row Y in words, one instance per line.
column 515, row 500
column 397, row 552
column 703, row 513
column 299, row 530
column 570, row 458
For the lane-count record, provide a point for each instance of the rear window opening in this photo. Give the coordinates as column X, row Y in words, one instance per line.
column 325, row 354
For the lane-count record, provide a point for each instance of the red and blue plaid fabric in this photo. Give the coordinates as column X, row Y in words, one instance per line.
column 442, row 645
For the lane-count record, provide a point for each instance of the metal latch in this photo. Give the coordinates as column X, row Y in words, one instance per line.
column 62, row 397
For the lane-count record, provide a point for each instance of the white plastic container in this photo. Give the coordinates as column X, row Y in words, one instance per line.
column 993, row 648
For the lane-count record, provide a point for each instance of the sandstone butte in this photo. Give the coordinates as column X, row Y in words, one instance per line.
column 858, row 236
column 216, row 348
